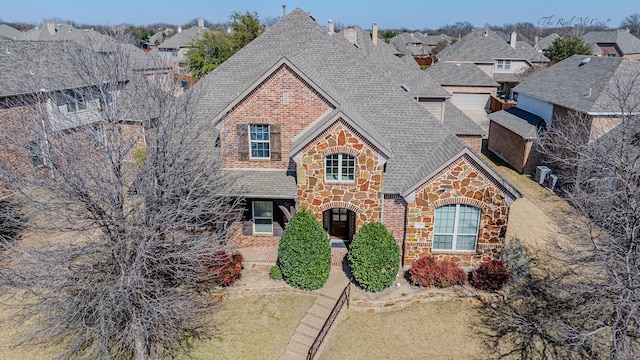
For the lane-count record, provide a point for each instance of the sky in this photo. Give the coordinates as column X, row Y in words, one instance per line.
column 412, row 15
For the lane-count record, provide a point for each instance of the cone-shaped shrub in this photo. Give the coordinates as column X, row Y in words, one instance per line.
column 304, row 253
column 374, row 257
column 491, row 275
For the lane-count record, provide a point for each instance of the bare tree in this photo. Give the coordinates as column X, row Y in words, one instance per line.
column 583, row 299
column 632, row 22
column 127, row 203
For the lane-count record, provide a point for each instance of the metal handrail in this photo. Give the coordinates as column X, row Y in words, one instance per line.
column 344, row 298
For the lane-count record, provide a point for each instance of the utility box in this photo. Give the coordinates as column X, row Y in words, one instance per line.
column 541, row 173
column 552, row 179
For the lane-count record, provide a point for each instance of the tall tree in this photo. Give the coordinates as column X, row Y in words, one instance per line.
column 244, row 28
column 632, row 22
column 583, row 301
column 121, row 271
column 564, row 47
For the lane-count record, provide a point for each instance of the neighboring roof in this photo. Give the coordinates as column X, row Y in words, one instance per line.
column 432, row 40
column 459, row 74
column 184, row 38
column 507, row 77
column 10, row 33
column 626, row 42
column 272, row 184
column 356, row 86
column 479, row 46
column 409, row 44
column 586, row 86
column 459, row 123
column 519, row 121
column 519, row 38
column 528, row 52
column 157, row 38
column 58, row 31
column 545, row 42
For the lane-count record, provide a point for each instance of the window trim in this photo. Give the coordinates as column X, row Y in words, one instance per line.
column 455, row 232
column 341, row 168
column 254, row 217
column 503, row 64
column 268, row 141
column 75, row 102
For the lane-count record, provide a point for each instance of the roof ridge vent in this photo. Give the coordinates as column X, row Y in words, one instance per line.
column 585, row 61
column 404, row 87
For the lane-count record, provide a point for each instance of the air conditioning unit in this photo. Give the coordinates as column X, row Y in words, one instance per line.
column 541, row 173
column 552, row 179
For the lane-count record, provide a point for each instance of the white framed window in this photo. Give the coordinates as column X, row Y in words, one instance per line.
column 262, row 217
column 259, row 141
column 339, row 167
column 503, row 64
column 75, row 102
column 456, row 227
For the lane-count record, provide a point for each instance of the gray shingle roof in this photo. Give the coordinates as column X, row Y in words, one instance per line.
column 519, row 121
column 627, row 43
column 459, row 123
column 545, row 42
column 184, row 38
column 419, row 142
column 10, row 33
column 272, row 184
column 459, row 74
column 479, row 46
column 66, row 32
column 585, row 88
column 432, row 40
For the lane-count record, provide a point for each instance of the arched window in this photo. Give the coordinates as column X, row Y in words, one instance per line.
column 456, row 227
column 339, row 167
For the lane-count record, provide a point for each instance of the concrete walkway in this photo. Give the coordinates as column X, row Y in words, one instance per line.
column 316, row 316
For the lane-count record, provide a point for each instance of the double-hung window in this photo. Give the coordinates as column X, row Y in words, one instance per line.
column 503, row 64
column 259, row 141
column 75, row 102
column 262, row 217
column 340, row 167
column 456, row 227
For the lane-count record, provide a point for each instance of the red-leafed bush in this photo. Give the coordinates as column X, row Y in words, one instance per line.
column 225, row 268
column 491, row 275
column 431, row 272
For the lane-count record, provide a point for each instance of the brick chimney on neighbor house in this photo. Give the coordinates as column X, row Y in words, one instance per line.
column 514, row 36
column 179, row 29
column 330, row 27
column 374, row 33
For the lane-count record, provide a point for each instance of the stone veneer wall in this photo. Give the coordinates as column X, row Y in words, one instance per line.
column 360, row 196
column 462, row 182
column 283, row 98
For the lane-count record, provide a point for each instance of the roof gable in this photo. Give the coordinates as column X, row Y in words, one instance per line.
column 479, row 46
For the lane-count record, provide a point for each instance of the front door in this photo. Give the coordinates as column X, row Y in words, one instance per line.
column 339, row 223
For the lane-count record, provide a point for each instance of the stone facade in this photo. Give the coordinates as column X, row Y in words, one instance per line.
column 462, row 182
column 282, row 99
column 361, row 195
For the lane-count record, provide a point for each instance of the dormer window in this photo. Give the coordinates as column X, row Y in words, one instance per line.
column 75, row 102
column 340, row 167
column 503, row 64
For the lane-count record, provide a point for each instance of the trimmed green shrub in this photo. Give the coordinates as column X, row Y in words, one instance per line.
column 374, row 257
column 304, row 252
column 431, row 272
column 491, row 275
column 275, row 273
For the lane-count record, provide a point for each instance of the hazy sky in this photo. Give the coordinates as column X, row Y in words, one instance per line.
column 388, row 14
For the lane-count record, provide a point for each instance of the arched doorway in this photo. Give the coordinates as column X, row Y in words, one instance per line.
column 339, row 223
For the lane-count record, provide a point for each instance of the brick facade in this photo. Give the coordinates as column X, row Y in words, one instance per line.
column 283, row 99
column 462, row 182
column 360, row 196
column 513, row 149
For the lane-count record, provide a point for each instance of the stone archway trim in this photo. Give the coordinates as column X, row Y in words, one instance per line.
column 460, row 200
column 338, row 204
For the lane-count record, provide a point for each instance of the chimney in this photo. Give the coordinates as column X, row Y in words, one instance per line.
column 330, row 27
column 535, row 42
column 179, row 29
column 374, row 33
column 51, row 27
column 514, row 36
column 284, row 10
column 201, row 23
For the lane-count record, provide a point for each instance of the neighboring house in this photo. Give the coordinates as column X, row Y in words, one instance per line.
column 613, row 43
column 586, row 86
column 10, row 33
column 158, row 38
column 304, row 119
column 51, row 31
column 173, row 50
column 432, row 41
column 412, row 46
column 501, row 60
column 416, row 83
column 471, row 88
column 544, row 42
column 40, row 78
